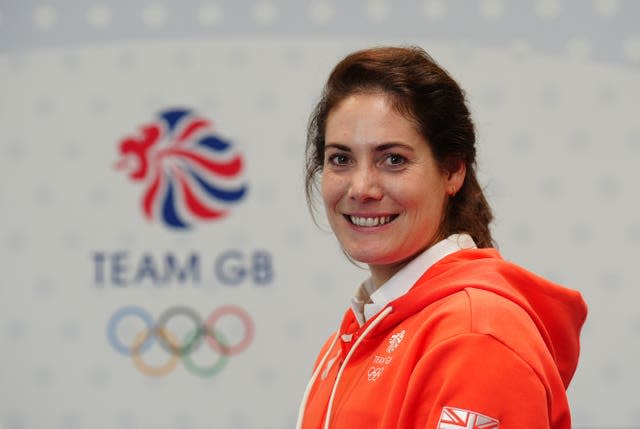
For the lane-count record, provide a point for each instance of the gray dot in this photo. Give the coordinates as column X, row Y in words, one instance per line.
column 522, row 143
column 633, row 233
column 43, row 377
column 265, row 376
column 210, row 102
column 549, row 96
column 237, row 58
column 70, row 331
column 126, row 420
column 15, row 420
column 610, row 281
column 182, row 60
column 126, row 61
column 294, row 236
column 98, row 196
column 582, row 416
column 606, row 95
column 464, row 53
column 266, row 101
column 608, row 188
column 238, row 420
column 520, row 49
column 323, row 283
column 98, row 377
column 635, row 328
column 155, row 383
column 634, row 140
column 293, row 56
column 71, row 420
column 125, row 238
column 16, row 330
column 72, row 151
column 71, row 62
column 497, row 189
column 183, row 241
column 522, row 235
column 492, row 97
column 237, row 238
column 18, row 63
column 43, row 106
column 71, row 240
column 634, row 414
column 611, row 373
column 578, row 143
column 43, row 287
column 98, row 105
column 16, row 241
column 267, row 194
column 293, row 148
column 580, row 235
column 294, row 330
column 290, row 419
column 551, row 188
column 152, row 101
column 183, row 421
column 43, row 196
column 16, row 151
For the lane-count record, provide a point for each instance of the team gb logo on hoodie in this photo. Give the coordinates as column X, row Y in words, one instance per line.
column 395, row 341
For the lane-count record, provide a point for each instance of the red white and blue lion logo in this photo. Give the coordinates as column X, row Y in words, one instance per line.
column 190, row 174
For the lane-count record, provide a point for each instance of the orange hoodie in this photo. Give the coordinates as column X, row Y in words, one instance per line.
column 477, row 342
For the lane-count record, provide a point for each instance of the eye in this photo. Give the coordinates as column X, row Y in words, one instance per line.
column 394, row 159
column 338, row 159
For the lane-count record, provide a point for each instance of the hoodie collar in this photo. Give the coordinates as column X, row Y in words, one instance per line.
column 368, row 301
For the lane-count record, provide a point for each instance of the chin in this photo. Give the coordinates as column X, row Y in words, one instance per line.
column 370, row 258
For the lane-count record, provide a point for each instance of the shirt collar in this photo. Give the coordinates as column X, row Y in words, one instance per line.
column 403, row 280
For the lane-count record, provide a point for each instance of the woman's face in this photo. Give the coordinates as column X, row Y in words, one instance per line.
column 383, row 191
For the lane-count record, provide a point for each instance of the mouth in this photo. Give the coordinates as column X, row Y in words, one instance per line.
column 370, row 221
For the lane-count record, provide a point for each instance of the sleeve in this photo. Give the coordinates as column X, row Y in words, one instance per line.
column 474, row 381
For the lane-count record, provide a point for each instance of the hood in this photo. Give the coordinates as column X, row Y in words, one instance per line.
column 558, row 312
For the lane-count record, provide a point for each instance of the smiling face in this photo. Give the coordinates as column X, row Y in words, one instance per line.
column 383, row 191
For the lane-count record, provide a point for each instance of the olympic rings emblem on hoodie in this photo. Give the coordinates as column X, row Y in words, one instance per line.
column 374, row 372
column 180, row 348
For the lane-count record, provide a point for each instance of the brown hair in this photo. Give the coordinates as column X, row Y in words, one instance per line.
column 423, row 92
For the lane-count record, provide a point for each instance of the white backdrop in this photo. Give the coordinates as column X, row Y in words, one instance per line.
column 555, row 100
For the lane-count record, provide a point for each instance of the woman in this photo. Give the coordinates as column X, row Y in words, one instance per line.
column 444, row 333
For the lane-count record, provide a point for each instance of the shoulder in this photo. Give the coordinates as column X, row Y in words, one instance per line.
column 479, row 317
column 472, row 310
column 493, row 314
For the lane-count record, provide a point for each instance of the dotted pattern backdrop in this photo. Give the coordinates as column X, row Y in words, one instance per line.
column 553, row 86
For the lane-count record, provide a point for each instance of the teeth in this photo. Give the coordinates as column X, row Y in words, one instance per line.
column 370, row 221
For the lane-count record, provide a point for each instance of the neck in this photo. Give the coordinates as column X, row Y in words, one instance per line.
column 381, row 273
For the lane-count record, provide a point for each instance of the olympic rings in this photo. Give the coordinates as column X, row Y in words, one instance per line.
column 166, row 316
column 158, row 371
column 248, row 325
column 177, row 349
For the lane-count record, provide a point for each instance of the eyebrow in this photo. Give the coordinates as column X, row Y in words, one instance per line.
column 380, row 148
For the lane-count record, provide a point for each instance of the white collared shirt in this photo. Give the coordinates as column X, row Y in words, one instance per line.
column 403, row 280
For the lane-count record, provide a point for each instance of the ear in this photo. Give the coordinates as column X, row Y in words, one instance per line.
column 456, row 171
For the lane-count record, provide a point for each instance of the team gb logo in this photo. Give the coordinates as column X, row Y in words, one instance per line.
column 189, row 173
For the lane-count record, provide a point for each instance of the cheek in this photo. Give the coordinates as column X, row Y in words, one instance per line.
column 421, row 195
column 328, row 189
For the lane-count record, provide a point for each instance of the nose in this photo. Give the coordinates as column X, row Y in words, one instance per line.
column 365, row 185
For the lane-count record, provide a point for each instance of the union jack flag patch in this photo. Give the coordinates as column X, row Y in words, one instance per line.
column 455, row 418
